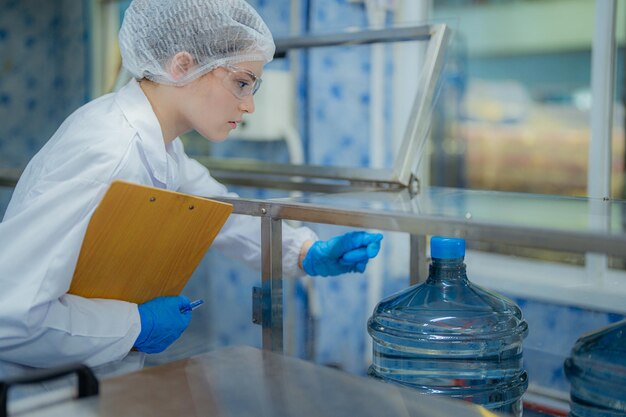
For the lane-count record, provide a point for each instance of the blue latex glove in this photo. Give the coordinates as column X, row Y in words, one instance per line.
column 342, row 254
column 163, row 320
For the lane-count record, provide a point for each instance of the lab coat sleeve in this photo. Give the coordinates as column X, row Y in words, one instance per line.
column 41, row 325
column 240, row 237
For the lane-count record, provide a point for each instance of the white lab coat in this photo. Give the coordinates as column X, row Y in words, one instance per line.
column 116, row 136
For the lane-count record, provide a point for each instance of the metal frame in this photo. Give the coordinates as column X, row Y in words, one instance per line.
column 421, row 225
column 272, row 290
column 363, row 37
column 315, row 178
column 327, row 179
column 418, row 127
column 602, row 89
column 417, row 225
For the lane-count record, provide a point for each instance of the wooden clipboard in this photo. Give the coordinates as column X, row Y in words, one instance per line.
column 144, row 242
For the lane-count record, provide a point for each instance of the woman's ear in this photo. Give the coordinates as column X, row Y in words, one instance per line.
column 180, row 65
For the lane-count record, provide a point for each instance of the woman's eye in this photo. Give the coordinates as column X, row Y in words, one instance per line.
column 243, row 84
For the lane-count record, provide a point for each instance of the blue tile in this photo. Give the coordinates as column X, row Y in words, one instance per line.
column 14, row 132
column 320, row 114
column 31, row 104
column 336, row 91
column 29, row 42
column 55, row 23
column 284, row 14
column 233, row 277
column 33, row 144
column 334, row 284
column 58, row 82
column 224, row 339
column 321, row 15
column 28, row 20
column 31, row 82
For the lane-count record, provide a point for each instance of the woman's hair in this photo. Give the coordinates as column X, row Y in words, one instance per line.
column 213, row 32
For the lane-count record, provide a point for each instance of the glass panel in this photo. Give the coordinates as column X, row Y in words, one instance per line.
column 515, row 109
column 488, row 207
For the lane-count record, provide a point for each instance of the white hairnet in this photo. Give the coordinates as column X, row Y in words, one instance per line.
column 214, row 32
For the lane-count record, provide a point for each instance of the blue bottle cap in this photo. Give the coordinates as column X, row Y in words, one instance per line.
column 447, row 247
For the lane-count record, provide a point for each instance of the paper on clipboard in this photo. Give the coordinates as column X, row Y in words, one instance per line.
column 143, row 242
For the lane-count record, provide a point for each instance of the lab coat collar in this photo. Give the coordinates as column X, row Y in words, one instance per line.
column 138, row 111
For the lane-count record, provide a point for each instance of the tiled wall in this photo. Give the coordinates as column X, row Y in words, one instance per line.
column 42, row 72
column 44, row 76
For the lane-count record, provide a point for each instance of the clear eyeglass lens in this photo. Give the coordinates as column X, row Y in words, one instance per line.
column 241, row 82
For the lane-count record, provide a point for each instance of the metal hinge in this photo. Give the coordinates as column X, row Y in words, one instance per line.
column 257, row 310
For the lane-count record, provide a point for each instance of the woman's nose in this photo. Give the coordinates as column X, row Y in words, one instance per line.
column 247, row 104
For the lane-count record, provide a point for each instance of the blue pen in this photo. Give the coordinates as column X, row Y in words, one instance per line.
column 192, row 306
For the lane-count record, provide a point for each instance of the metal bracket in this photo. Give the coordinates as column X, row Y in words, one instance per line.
column 257, row 310
column 414, row 186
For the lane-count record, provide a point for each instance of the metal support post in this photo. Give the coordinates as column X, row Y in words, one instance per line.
column 272, row 284
column 418, row 260
column 602, row 91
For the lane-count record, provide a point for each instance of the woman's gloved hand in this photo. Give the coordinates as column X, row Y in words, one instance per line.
column 163, row 320
column 341, row 254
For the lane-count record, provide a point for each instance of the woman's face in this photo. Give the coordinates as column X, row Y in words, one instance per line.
column 215, row 103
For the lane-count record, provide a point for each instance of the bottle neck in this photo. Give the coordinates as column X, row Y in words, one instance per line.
column 447, row 270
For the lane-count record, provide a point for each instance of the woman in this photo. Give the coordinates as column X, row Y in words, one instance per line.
column 197, row 65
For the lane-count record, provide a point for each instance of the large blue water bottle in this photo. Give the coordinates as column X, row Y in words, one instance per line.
column 449, row 337
column 596, row 370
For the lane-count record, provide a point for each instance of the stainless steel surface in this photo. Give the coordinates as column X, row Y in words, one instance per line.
column 313, row 178
column 540, row 221
column 245, row 381
column 288, row 184
column 272, row 283
column 362, row 37
column 418, row 260
column 249, row 166
column 257, row 305
column 418, row 126
column 536, row 221
column 531, row 220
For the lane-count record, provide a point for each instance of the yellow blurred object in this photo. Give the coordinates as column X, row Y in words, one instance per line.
column 545, row 153
column 486, row 413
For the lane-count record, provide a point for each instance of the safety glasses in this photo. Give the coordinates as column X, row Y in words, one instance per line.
column 240, row 81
